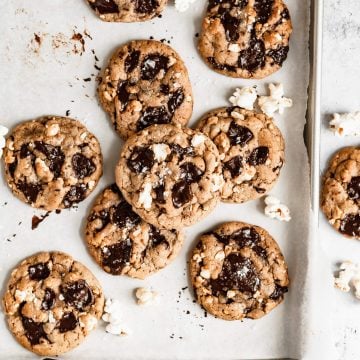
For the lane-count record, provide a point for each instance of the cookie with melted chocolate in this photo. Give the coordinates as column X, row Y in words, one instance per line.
column 238, row 271
column 52, row 162
column 124, row 244
column 52, row 303
column 145, row 83
column 245, row 38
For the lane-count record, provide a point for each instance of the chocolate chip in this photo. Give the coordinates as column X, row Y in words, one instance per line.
column 350, row 225
column 278, row 292
column 263, row 9
column 75, row 195
column 68, row 322
column 218, row 66
column 253, row 57
column 155, row 237
column 190, row 172
column 48, row 300
column 104, row 6
column 123, row 216
column 122, row 94
column 34, row 331
column 159, row 194
column 237, row 273
column 78, row 294
column 153, row 115
column 234, row 166
column 181, row 194
column 39, row 271
column 116, row 256
column 132, row 61
column 239, row 135
column 31, row 191
column 258, row 156
column 353, row 188
column 54, row 155
column 279, row 54
column 152, row 64
column 175, row 100
column 141, row 160
column 82, row 166
column 146, row 6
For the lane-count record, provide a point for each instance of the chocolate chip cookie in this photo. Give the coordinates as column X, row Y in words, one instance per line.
column 340, row 200
column 170, row 175
column 238, row 271
column 122, row 243
column 245, row 38
column 127, row 10
column 52, row 162
column 251, row 148
column 52, row 303
column 145, row 83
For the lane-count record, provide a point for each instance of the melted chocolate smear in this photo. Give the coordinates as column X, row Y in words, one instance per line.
column 31, row 191
column 153, row 115
column 12, row 168
column 279, row 55
column 146, row 6
column 181, row 193
column 263, row 9
column 123, row 216
column 246, row 237
column 152, row 64
column 34, row 331
column 116, row 256
column 68, row 322
column 39, row 271
column 155, row 237
column 159, row 194
column 278, row 292
column 76, row 194
column 78, row 294
column 104, row 6
column 239, row 135
column 222, row 67
column 259, row 190
column 258, row 156
column 82, row 166
column 122, row 94
column 141, row 160
column 132, row 61
column 54, row 155
column 350, row 225
column 234, row 166
column 175, row 100
column 190, row 172
column 36, row 221
column 238, row 273
column 253, row 57
column 48, row 300
column 165, row 89
column 353, row 188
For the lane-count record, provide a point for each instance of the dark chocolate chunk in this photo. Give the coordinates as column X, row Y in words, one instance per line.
column 216, row 65
column 123, row 216
column 181, row 193
column 239, row 135
column 122, row 94
column 78, row 294
column 25, row 151
column 54, row 155
column 104, row 6
column 31, row 191
column 285, row 14
column 155, row 237
column 153, row 115
column 165, row 89
column 38, row 271
column 263, row 9
column 279, row 54
column 234, row 166
column 12, row 168
column 75, row 195
column 258, row 156
column 146, row 6
column 48, row 300
column 141, row 160
column 116, row 256
column 246, row 237
column 175, row 100
column 132, row 61
column 190, row 172
column 82, row 166
column 230, row 23
column 159, row 194
column 152, row 64
column 68, row 322
column 181, row 151
column 103, row 216
column 253, row 57
column 278, row 292
column 350, row 225
column 34, row 331
column 353, row 188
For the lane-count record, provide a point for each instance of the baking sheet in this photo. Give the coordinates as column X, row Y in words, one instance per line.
column 47, row 77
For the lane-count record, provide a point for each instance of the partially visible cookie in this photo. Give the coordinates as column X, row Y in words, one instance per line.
column 52, row 162
column 145, row 83
column 170, row 175
column 340, row 200
column 251, row 148
column 238, row 271
column 127, row 10
column 245, row 38
column 124, row 244
column 52, row 303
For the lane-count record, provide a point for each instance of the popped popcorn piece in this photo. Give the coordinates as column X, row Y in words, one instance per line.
column 275, row 210
column 25, row 295
column 113, row 316
column 244, row 97
column 348, row 272
column 183, row 5
column 3, row 132
column 146, row 296
column 88, row 322
column 275, row 102
column 347, row 124
column 145, row 196
column 161, row 151
column 197, row 140
column 234, row 48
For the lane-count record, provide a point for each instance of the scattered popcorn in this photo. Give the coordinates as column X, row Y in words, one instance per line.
column 275, row 210
column 244, row 97
column 88, row 322
column 349, row 274
column 347, row 124
column 145, row 296
column 3, row 132
column 197, row 140
column 183, row 5
column 275, row 102
column 160, row 151
column 113, row 316
column 145, row 196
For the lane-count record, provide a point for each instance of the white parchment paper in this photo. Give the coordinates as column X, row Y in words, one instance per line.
column 48, row 79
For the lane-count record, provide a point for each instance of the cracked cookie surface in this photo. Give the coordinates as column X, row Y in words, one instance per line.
column 122, row 243
column 127, row 10
column 145, row 83
column 238, row 271
column 245, row 38
column 340, row 198
column 170, row 175
column 52, row 162
column 52, row 303
column 251, row 149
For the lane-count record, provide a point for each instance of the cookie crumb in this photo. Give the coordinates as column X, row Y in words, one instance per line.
column 145, row 296
column 275, row 210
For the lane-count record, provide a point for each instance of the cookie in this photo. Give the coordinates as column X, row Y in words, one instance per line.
column 127, row 10
column 251, row 148
column 145, row 83
column 52, row 162
column 52, row 303
column 238, row 271
column 245, row 38
column 340, row 199
column 170, row 176
column 122, row 243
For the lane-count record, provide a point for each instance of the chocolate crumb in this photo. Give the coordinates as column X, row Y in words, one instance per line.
column 35, row 221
